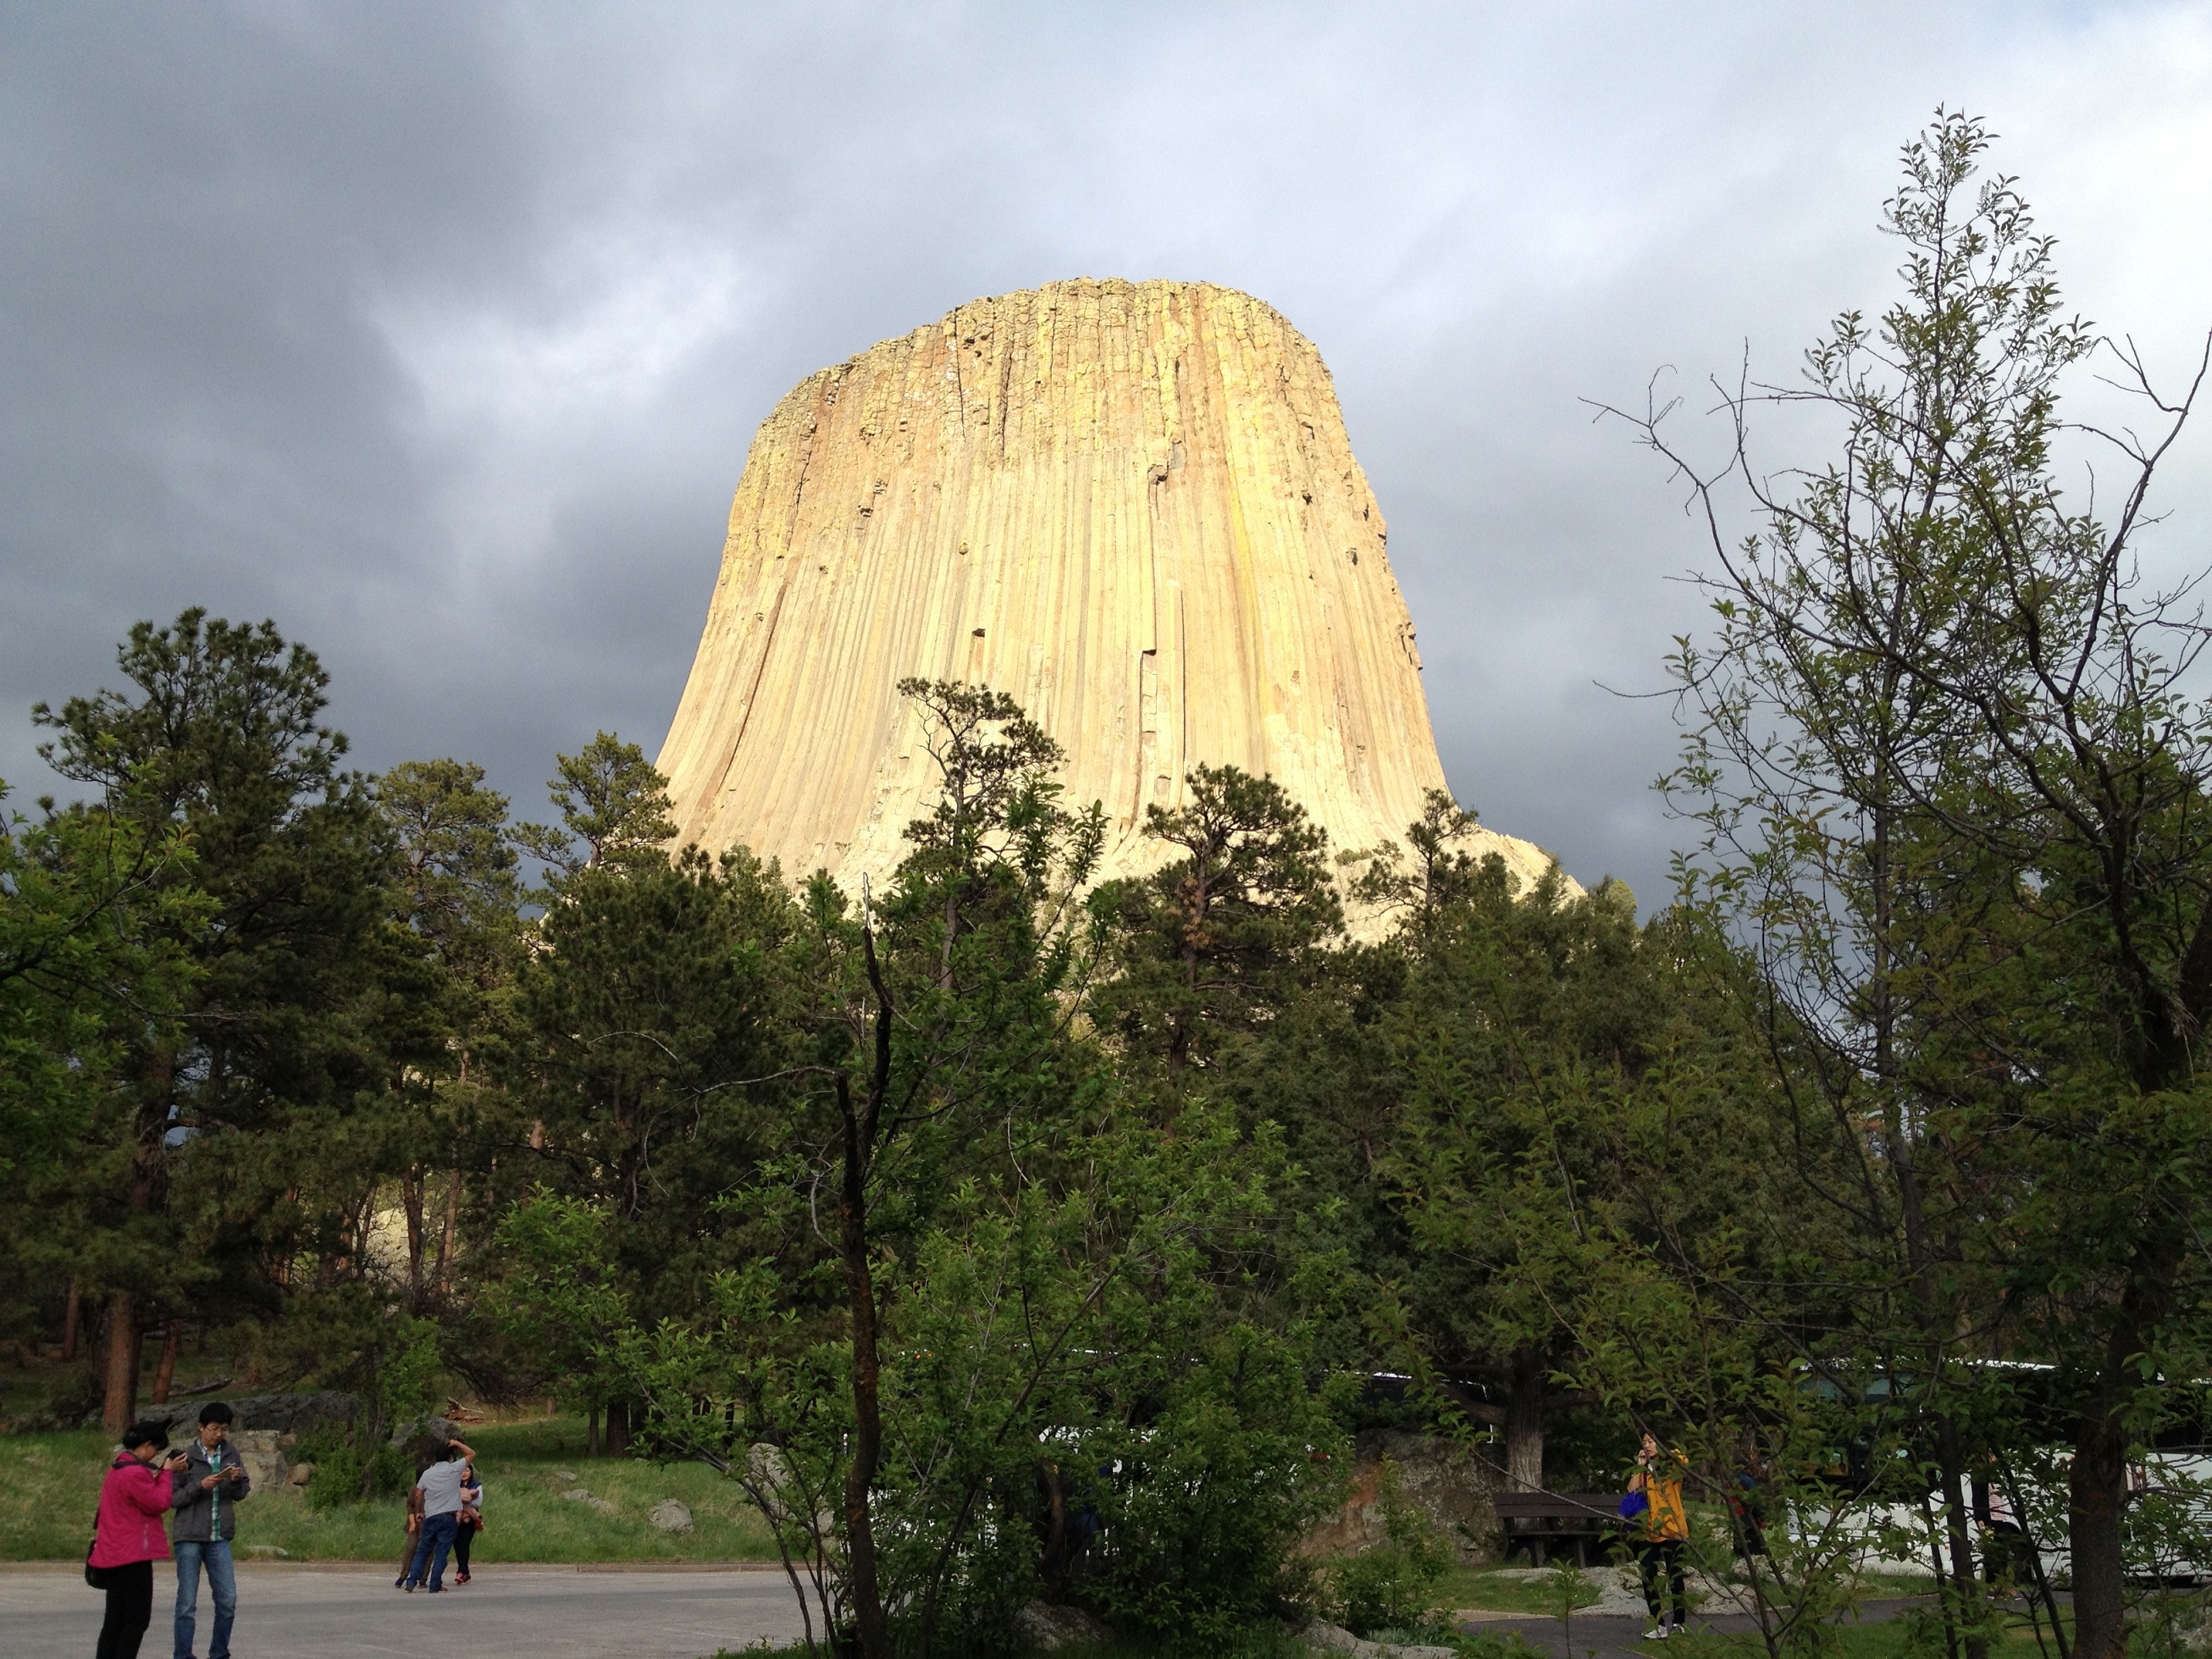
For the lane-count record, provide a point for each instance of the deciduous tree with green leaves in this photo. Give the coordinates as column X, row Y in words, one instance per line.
column 1953, row 785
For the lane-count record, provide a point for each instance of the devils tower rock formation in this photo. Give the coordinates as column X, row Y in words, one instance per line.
column 1131, row 506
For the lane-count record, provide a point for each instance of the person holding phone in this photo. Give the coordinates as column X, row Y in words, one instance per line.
column 205, row 1493
column 127, row 1537
column 1665, row 1527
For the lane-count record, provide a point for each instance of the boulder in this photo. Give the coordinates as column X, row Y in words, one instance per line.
column 422, row 1438
column 1334, row 1638
column 669, row 1515
column 261, row 1457
column 301, row 1473
column 285, row 1414
column 579, row 1495
column 1047, row 1627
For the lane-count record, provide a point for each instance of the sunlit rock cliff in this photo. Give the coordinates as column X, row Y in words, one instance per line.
column 1130, row 505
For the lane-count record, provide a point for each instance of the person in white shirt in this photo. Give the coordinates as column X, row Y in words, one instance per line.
column 440, row 1487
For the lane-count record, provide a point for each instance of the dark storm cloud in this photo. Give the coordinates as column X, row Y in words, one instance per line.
column 437, row 333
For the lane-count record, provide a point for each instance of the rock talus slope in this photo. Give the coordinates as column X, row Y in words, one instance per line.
column 1131, row 506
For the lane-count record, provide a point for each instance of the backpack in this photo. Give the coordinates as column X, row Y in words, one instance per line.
column 95, row 1577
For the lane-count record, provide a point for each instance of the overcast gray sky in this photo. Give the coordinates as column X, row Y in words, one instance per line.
column 437, row 333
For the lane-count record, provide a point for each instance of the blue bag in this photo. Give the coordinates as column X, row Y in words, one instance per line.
column 1633, row 1505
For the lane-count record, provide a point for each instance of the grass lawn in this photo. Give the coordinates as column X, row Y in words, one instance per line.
column 1890, row 1639
column 49, row 1485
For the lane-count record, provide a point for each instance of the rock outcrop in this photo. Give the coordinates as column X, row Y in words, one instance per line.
column 287, row 1413
column 1451, row 1482
column 1131, row 506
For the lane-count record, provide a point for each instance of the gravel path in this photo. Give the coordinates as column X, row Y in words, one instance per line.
column 337, row 1612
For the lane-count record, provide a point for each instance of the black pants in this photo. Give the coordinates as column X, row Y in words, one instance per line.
column 129, row 1610
column 1658, row 1556
column 464, row 1535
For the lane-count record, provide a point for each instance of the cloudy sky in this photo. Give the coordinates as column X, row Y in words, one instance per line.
column 437, row 332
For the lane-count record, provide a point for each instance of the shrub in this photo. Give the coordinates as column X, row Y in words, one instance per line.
column 1200, row 1527
column 338, row 1478
column 344, row 1475
column 1390, row 1585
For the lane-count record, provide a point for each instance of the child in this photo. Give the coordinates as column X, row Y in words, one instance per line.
column 470, row 1523
column 414, row 1527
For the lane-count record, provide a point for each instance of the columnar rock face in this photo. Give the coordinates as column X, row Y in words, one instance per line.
column 1131, row 506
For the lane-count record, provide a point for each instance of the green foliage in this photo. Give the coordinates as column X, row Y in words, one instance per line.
column 1202, row 952
column 1951, row 783
column 186, row 1184
column 610, row 800
column 91, row 908
column 346, row 1474
column 1010, row 1331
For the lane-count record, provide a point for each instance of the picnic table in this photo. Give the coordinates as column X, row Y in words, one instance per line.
column 1544, row 1521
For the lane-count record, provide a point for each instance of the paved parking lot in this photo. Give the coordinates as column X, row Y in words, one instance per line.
column 334, row 1613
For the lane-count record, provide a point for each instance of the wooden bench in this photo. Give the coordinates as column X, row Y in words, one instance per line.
column 1544, row 1521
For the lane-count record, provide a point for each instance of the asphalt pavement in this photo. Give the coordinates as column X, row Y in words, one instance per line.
column 352, row 1612
column 1609, row 1636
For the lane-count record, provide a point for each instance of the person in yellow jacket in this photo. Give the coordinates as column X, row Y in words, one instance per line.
column 1661, row 1528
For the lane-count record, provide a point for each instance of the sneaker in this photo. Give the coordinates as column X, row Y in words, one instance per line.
column 1657, row 1633
column 460, row 1580
column 400, row 1583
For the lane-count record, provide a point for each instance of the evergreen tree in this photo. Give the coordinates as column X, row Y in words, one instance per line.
column 218, row 739
column 1199, row 955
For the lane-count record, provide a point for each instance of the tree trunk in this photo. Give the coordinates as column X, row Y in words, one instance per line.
column 591, row 1433
column 410, row 1200
column 120, row 1393
column 1966, row 1583
column 446, row 1240
column 2096, row 1489
column 617, row 1442
column 119, row 1397
column 867, row 1410
column 71, row 1315
column 1524, row 1423
column 167, row 1373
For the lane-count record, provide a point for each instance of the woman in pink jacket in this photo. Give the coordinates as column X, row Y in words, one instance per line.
column 134, row 1501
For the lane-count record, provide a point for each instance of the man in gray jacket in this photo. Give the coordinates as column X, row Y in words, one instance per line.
column 205, row 1494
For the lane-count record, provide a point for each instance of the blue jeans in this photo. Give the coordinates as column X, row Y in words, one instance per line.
column 436, row 1538
column 222, row 1585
